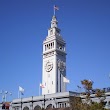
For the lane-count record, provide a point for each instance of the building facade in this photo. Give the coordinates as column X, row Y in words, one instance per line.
column 57, row 100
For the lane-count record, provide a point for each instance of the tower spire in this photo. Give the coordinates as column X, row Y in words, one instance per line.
column 54, row 22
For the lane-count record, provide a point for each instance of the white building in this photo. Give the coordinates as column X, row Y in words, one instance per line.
column 54, row 60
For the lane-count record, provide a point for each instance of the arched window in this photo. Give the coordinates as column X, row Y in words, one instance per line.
column 53, row 44
column 49, row 46
column 49, row 107
column 25, row 108
column 37, row 107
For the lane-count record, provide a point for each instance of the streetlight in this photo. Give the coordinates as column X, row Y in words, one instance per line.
column 6, row 92
column 4, row 95
column 1, row 93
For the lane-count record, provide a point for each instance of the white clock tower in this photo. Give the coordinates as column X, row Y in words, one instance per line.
column 54, row 60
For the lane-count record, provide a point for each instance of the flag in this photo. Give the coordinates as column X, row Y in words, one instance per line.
column 22, row 93
column 42, row 86
column 66, row 80
column 56, row 8
column 21, row 89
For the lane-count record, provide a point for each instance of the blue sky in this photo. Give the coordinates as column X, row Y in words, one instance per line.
column 85, row 26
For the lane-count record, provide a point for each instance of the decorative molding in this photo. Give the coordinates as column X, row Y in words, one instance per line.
column 48, row 54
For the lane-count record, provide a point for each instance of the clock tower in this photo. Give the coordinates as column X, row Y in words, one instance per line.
column 54, row 60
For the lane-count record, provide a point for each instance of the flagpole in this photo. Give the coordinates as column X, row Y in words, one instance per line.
column 64, row 86
column 39, row 90
column 54, row 10
column 18, row 94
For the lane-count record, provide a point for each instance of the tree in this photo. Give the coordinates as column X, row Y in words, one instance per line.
column 87, row 84
column 76, row 103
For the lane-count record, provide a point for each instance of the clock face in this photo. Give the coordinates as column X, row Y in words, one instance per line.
column 61, row 65
column 49, row 66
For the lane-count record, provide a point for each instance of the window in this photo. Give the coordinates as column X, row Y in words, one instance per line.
column 65, row 105
column 45, row 47
column 51, row 45
column 60, row 47
column 62, row 105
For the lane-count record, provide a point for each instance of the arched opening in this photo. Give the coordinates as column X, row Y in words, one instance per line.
column 108, row 102
column 37, row 107
column 50, row 106
column 25, row 108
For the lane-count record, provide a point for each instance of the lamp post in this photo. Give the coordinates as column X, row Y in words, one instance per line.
column 4, row 95
column 6, row 92
column 1, row 93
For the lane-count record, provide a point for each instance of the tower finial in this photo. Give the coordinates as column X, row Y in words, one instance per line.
column 54, row 22
column 55, row 8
